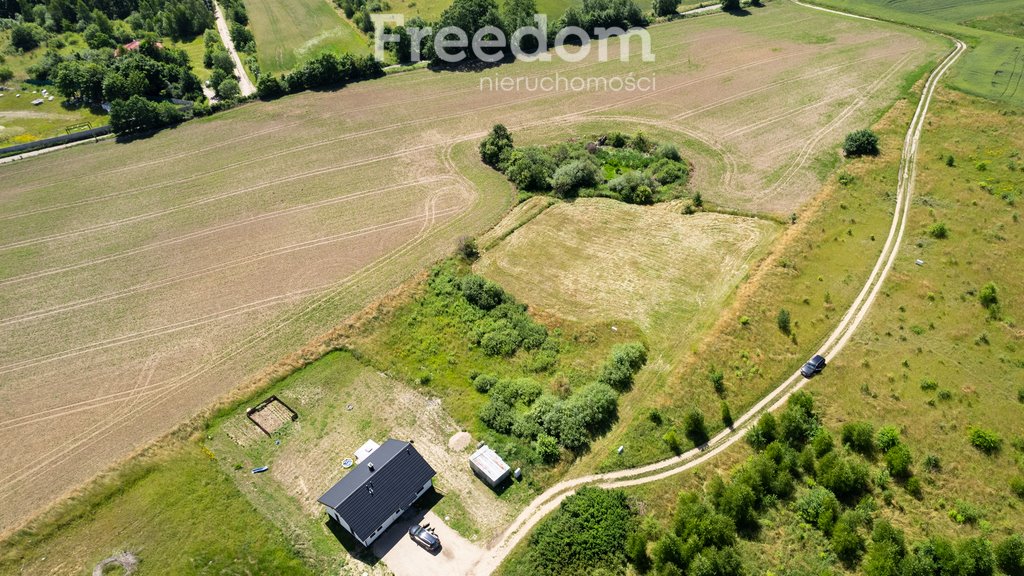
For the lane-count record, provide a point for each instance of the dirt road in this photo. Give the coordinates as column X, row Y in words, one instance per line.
column 550, row 499
column 225, row 35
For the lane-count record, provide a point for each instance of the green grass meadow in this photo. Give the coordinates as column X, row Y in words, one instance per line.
column 289, row 32
column 993, row 67
column 175, row 510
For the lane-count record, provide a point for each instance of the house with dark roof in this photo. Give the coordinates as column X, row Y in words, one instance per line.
column 378, row 490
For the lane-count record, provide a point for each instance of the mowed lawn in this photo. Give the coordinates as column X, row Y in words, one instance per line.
column 993, row 67
column 291, row 31
column 597, row 260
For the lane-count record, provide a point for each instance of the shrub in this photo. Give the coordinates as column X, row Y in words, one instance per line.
column 672, row 441
column 695, row 428
column 1010, row 556
column 861, row 143
column 914, row 487
column 938, row 231
column 717, row 379
column 572, row 176
column 623, row 363
column 668, row 172
column 632, row 187
column 783, row 321
column 964, row 512
column 640, row 143
column 496, row 145
column 5, row 74
column 27, row 36
column 847, row 543
column 481, row 293
column 932, row 463
column 898, row 460
column 726, row 415
column 530, row 168
column 268, row 87
column 887, row 438
column 586, row 534
column 1020, row 395
column 819, row 508
column 617, row 140
column 859, row 437
column 987, row 441
column 484, row 382
column 547, row 448
column 950, row 161
column 1017, row 486
column 764, row 432
column 929, row 385
column 989, row 295
column 665, row 7
column 668, row 151
column 822, row 442
column 798, row 421
column 845, row 477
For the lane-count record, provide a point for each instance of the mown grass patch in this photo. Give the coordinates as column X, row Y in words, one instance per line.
column 175, row 510
column 287, row 33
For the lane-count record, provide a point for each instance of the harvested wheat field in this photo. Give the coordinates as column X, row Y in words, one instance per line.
column 134, row 291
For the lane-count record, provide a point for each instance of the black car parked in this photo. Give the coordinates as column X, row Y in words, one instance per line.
column 813, row 366
column 424, row 538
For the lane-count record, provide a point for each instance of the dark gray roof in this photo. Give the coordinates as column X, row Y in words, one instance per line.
column 366, row 499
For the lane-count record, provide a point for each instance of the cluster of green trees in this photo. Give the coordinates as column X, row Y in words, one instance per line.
column 837, row 500
column 633, row 169
column 222, row 67
column 473, row 15
column 584, row 536
column 178, row 19
column 358, row 11
column 324, row 71
column 522, row 408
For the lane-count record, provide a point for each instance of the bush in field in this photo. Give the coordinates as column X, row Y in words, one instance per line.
column 847, row 543
column 484, row 382
column 861, row 143
column 573, row 175
column 987, row 441
column 269, row 88
column 1009, row 556
column 1017, row 486
column 530, row 168
column 820, row 508
column 632, row 187
column 695, row 428
column 623, row 363
column 546, row 448
column 898, row 460
column 783, row 321
column 5, row 74
column 859, row 437
column 939, row 231
column 664, row 171
column 496, row 146
column 845, row 477
column 665, row 7
column 764, row 432
column 229, row 89
column 989, row 295
column 887, row 438
column 483, row 294
column 798, row 421
column 586, row 535
column 27, row 36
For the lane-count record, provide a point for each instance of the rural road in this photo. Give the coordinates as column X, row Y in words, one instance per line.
column 551, row 498
column 225, row 36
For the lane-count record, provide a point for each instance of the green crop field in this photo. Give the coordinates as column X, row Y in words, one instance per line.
column 291, row 31
column 994, row 66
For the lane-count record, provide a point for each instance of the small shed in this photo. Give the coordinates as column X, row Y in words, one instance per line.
column 489, row 466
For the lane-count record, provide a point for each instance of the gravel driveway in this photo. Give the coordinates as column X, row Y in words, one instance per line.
column 405, row 558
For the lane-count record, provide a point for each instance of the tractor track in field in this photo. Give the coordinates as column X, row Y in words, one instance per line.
column 552, row 498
